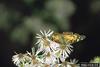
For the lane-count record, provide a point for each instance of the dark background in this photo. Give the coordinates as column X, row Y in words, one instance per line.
column 83, row 21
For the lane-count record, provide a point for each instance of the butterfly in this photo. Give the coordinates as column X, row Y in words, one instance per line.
column 68, row 37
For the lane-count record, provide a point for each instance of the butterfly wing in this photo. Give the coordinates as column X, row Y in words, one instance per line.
column 71, row 37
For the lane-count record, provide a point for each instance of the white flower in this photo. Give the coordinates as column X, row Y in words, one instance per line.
column 26, row 60
column 21, row 59
column 50, row 47
column 43, row 35
column 71, row 63
column 49, row 58
column 74, row 61
column 17, row 59
column 43, row 41
column 63, row 52
column 53, row 45
column 35, row 62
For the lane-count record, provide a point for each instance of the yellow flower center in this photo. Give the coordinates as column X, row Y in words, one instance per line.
column 48, row 54
column 46, row 65
column 46, row 43
column 62, row 46
column 34, row 59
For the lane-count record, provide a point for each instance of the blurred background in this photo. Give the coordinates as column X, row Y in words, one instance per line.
column 20, row 20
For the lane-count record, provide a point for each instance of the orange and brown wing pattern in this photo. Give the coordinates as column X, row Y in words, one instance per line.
column 72, row 37
column 69, row 37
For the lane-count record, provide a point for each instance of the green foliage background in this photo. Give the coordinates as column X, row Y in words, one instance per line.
column 32, row 15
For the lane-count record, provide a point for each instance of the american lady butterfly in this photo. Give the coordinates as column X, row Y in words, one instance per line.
column 68, row 37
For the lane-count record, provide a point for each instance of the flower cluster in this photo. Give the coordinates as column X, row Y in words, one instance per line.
column 53, row 49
